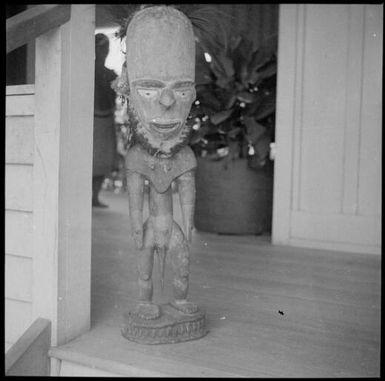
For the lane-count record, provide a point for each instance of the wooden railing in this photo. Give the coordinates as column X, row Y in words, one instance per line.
column 29, row 355
column 26, row 26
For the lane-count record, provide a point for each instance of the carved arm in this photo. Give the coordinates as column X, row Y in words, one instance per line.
column 186, row 186
column 135, row 185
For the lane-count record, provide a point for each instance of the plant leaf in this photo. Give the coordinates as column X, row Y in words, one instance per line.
column 196, row 136
column 243, row 50
column 231, row 100
column 217, row 68
column 234, row 42
column 202, row 80
column 262, row 147
column 234, row 132
column 223, row 82
column 265, row 111
column 258, row 58
column 211, row 25
column 220, row 117
column 252, row 77
column 202, row 69
column 208, row 99
column 254, row 107
column 269, row 70
column 267, row 107
column 254, row 129
column 225, row 63
column 241, row 56
column 246, row 97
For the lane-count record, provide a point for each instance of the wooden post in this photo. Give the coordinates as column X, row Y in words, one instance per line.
column 62, row 174
column 289, row 21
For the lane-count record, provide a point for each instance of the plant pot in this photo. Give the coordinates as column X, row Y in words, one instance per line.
column 233, row 200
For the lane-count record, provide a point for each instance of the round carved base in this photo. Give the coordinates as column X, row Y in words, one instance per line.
column 172, row 326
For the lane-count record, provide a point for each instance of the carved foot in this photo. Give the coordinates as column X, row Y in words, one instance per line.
column 148, row 311
column 185, row 306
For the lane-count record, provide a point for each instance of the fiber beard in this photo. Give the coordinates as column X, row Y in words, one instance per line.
column 156, row 146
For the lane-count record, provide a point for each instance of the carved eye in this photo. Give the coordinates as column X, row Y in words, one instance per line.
column 184, row 93
column 148, row 93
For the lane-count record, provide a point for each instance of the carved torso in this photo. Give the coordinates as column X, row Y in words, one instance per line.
column 160, row 171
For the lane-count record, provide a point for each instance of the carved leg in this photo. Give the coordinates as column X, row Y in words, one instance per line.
column 179, row 255
column 145, row 308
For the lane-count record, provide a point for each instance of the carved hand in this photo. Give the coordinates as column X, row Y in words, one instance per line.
column 189, row 229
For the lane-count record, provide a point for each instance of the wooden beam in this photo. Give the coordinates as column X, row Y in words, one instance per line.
column 26, row 26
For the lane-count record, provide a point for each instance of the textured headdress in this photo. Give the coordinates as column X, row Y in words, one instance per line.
column 160, row 42
column 208, row 25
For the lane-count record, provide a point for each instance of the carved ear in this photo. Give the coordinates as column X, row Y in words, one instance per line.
column 121, row 85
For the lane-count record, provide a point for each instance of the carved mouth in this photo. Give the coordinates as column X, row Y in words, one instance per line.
column 165, row 127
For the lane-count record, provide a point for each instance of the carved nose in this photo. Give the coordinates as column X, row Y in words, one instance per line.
column 167, row 98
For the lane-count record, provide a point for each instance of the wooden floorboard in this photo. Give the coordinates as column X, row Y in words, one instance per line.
column 271, row 311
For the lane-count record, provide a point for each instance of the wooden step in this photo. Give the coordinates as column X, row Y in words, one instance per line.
column 72, row 369
column 73, row 360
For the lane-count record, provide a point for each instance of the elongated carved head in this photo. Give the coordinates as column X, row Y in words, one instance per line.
column 160, row 69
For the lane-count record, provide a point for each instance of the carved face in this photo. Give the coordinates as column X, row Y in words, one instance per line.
column 161, row 72
column 162, row 106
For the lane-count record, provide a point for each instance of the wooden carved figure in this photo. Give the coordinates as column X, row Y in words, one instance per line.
column 158, row 76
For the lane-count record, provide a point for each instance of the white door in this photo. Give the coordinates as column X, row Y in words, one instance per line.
column 327, row 187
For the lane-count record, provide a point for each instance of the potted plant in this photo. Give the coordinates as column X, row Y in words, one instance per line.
column 233, row 126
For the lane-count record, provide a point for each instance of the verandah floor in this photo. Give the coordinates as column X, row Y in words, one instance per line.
column 271, row 311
